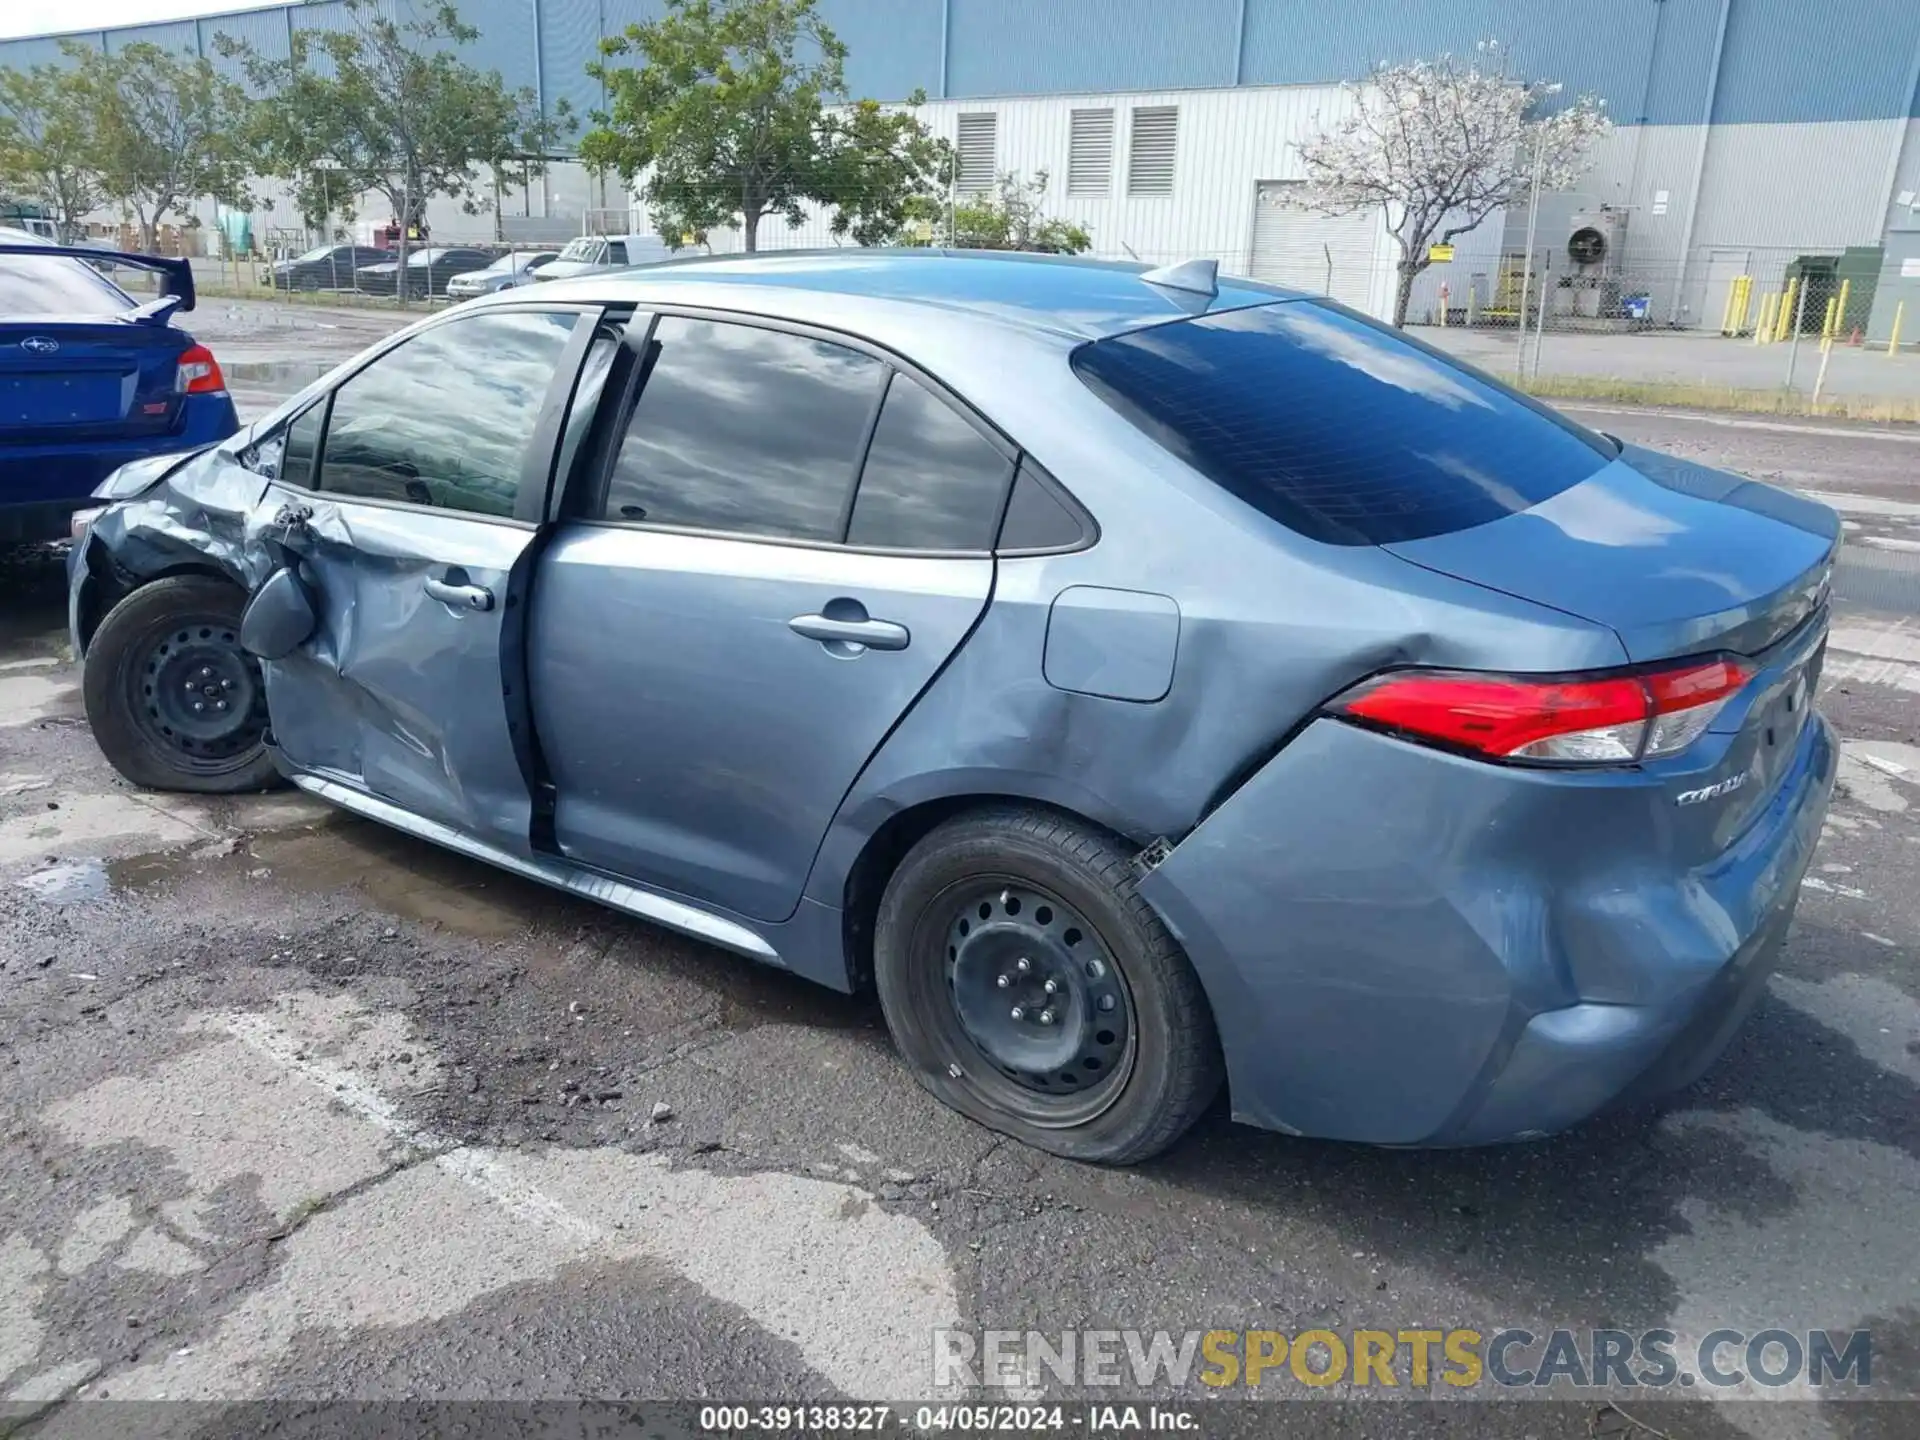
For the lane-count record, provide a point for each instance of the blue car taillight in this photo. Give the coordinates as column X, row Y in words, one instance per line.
column 1561, row 720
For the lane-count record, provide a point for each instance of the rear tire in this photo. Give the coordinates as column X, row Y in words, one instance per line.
column 163, row 650
column 998, row 912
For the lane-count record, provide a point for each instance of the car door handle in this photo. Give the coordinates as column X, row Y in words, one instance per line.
column 461, row 597
column 874, row 634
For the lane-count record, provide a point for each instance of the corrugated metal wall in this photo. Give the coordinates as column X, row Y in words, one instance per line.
column 1783, row 62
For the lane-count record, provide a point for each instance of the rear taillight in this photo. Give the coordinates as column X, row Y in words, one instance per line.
column 199, row 373
column 1571, row 720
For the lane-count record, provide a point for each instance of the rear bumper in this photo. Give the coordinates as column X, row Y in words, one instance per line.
column 1406, row 948
column 42, row 485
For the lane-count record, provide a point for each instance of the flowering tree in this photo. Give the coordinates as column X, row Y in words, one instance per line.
column 1440, row 145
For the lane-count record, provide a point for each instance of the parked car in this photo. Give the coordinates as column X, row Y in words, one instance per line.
column 1139, row 677
column 429, row 271
column 503, row 274
column 91, row 378
column 327, row 267
column 595, row 254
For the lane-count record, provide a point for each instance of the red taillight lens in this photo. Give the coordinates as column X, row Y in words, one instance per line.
column 1596, row 720
column 199, row 373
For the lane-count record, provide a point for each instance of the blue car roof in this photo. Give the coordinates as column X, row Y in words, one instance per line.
column 1085, row 299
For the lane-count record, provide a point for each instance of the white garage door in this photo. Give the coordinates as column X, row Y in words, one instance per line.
column 1326, row 254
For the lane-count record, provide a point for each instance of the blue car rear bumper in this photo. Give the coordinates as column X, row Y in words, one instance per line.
column 1401, row 948
column 42, row 485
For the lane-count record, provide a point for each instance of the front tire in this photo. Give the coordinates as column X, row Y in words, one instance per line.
column 174, row 702
column 1031, row 989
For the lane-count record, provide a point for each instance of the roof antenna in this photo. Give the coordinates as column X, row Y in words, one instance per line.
column 1197, row 277
column 1131, row 254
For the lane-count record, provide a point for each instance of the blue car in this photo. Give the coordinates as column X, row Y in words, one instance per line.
column 90, row 379
column 1143, row 679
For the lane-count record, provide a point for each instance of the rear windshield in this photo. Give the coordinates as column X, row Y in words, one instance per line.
column 51, row 285
column 1337, row 427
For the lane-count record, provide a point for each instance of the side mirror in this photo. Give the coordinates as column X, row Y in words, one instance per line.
column 280, row 616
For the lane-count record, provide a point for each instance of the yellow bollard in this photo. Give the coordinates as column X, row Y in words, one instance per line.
column 1828, row 321
column 1840, row 313
column 1746, row 305
column 1893, row 340
column 1785, row 320
column 1726, row 310
column 1763, row 330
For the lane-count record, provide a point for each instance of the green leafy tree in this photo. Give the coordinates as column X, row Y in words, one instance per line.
column 738, row 110
column 167, row 131
column 1008, row 217
column 394, row 111
column 47, row 150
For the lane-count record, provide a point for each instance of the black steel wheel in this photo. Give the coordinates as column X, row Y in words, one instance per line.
column 174, row 701
column 1030, row 988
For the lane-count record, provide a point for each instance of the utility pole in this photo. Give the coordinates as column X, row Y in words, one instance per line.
column 1526, row 272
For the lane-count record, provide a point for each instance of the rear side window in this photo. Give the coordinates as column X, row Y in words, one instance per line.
column 52, row 285
column 745, row 431
column 1338, row 428
column 931, row 481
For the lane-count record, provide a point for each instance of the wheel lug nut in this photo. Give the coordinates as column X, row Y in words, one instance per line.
column 226, row 684
column 1004, row 981
column 1023, row 965
column 190, row 687
column 1052, row 987
column 1046, row 1017
column 219, row 704
column 1106, row 1002
column 1018, row 1013
column 198, row 706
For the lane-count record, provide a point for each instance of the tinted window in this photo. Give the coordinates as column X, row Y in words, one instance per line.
column 32, row 285
column 616, row 252
column 586, row 396
column 445, row 418
column 931, row 481
column 745, row 430
column 1339, row 428
column 1036, row 518
column 302, row 444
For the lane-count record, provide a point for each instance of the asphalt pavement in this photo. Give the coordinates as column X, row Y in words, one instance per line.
column 295, row 1108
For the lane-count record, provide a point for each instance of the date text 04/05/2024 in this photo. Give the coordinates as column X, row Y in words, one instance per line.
column 962, row 1419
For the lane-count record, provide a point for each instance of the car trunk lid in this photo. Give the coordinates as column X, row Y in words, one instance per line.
column 1675, row 558
column 109, row 378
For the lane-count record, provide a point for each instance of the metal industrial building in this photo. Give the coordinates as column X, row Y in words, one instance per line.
column 1750, row 133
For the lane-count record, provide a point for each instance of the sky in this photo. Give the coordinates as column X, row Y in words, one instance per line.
column 45, row 17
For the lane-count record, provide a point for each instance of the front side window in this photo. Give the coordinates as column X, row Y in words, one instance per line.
column 445, row 418
column 1338, row 428
column 931, row 481
column 301, row 446
column 746, row 431
column 616, row 252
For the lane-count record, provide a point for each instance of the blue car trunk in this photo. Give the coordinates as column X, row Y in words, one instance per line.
column 1674, row 558
column 109, row 380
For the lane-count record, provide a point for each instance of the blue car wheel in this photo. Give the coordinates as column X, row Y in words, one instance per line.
column 1030, row 988
column 174, row 701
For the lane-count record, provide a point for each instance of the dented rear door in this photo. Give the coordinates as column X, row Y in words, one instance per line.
column 411, row 497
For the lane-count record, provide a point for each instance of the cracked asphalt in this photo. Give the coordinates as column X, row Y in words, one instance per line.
column 295, row 1109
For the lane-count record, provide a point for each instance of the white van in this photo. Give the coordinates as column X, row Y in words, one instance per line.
column 591, row 254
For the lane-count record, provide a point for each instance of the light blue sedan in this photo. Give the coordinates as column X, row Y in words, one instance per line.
column 1146, row 680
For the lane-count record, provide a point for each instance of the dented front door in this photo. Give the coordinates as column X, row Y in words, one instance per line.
column 410, row 499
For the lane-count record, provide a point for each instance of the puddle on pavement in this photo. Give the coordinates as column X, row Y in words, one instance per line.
column 406, row 878
column 79, row 882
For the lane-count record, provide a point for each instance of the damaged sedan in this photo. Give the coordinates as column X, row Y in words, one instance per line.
column 1147, row 681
